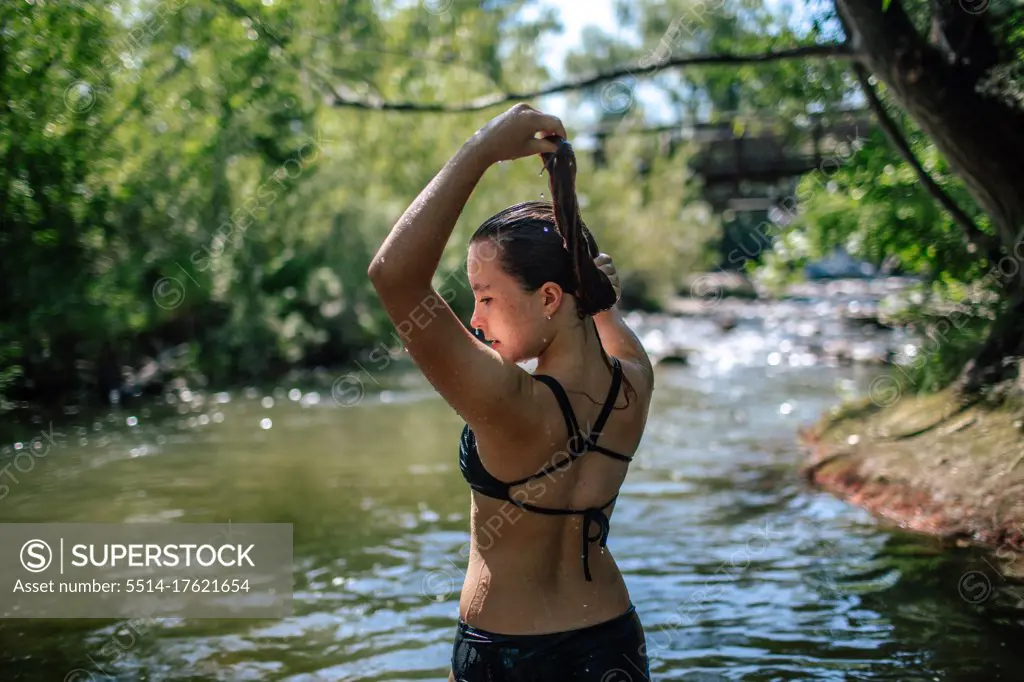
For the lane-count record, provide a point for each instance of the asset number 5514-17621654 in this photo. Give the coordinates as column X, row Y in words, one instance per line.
column 187, row 585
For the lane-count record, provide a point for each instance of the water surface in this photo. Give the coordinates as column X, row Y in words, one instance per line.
column 738, row 570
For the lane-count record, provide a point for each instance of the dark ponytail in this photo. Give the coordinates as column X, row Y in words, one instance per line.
column 592, row 288
column 541, row 242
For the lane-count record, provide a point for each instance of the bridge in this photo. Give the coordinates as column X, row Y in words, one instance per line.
column 748, row 165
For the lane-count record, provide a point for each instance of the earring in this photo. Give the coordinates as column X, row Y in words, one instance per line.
column 549, row 317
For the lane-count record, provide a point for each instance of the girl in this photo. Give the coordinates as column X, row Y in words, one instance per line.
column 543, row 598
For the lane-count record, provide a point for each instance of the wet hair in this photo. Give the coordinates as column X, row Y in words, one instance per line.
column 539, row 242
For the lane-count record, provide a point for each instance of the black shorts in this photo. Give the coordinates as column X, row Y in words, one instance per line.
column 613, row 651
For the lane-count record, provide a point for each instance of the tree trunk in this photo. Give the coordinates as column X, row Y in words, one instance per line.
column 982, row 138
column 1005, row 341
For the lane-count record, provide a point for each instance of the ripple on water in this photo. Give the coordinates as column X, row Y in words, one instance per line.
column 738, row 571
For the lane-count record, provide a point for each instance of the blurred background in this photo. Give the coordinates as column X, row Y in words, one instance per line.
column 812, row 205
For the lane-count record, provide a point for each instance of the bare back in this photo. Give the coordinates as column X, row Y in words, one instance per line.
column 524, row 574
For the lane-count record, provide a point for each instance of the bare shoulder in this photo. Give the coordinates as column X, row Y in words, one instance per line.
column 640, row 375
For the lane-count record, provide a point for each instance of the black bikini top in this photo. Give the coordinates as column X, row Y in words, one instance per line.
column 484, row 483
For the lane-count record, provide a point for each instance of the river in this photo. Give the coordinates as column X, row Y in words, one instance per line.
column 737, row 569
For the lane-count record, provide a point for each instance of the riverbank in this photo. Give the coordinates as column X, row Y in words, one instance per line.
column 929, row 464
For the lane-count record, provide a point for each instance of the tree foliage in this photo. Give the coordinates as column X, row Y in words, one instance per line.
column 174, row 172
column 182, row 171
column 874, row 207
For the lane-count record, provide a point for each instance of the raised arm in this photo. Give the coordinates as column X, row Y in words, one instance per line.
column 474, row 379
column 616, row 336
column 618, row 339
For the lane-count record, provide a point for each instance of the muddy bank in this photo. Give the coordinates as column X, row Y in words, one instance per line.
column 929, row 464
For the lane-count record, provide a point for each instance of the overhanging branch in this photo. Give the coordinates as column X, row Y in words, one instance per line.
column 339, row 100
column 830, row 51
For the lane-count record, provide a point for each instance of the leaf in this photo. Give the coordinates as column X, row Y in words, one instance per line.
column 885, row 5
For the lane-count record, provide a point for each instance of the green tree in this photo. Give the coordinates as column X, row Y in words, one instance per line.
column 954, row 67
column 188, row 172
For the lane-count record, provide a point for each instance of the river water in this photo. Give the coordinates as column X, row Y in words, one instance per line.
column 737, row 569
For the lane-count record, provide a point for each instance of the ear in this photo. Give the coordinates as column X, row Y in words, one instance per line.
column 551, row 297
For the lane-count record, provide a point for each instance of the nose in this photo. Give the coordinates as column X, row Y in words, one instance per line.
column 474, row 322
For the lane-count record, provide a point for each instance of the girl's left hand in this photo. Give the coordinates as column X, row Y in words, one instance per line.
column 604, row 264
column 513, row 135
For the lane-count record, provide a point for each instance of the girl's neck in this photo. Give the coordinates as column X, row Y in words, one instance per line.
column 573, row 352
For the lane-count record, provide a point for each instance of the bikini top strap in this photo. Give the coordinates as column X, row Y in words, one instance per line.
column 576, row 447
column 567, row 413
column 549, row 469
column 609, row 402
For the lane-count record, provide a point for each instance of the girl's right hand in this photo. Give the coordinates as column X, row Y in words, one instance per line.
column 514, row 135
column 604, row 264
